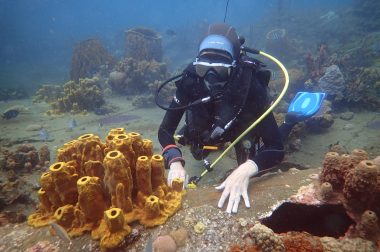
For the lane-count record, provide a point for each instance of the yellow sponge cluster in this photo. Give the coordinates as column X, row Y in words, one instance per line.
column 101, row 187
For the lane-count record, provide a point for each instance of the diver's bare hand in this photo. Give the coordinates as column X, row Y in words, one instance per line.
column 176, row 171
column 236, row 186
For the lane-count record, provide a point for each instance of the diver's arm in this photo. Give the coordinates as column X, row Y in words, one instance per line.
column 166, row 131
column 272, row 152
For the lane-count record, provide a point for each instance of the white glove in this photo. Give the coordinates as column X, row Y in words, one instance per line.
column 176, row 171
column 236, row 185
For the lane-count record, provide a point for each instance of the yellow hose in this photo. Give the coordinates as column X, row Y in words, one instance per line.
column 262, row 116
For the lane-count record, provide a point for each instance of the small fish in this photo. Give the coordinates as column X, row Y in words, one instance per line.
column 10, row 114
column 44, row 135
column 60, row 231
column 72, row 123
column 170, row 32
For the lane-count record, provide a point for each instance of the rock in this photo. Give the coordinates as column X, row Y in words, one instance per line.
column 332, row 82
column 164, row 243
column 180, row 236
column 45, row 246
column 346, row 116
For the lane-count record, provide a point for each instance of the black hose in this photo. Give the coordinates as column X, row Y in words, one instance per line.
column 199, row 101
column 225, row 12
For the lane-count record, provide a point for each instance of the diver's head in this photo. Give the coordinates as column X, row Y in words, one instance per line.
column 217, row 56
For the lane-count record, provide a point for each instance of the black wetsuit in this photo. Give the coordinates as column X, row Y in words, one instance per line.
column 247, row 90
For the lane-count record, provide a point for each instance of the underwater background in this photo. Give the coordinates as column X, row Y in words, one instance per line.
column 80, row 77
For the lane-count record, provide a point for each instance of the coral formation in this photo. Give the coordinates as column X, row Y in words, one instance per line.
column 347, row 244
column 132, row 76
column 102, row 187
column 48, row 93
column 326, row 190
column 88, row 56
column 316, row 65
column 143, row 44
column 79, row 97
column 25, row 158
column 264, row 238
column 368, row 225
column 75, row 97
column 361, row 188
column 336, row 167
column 364, row 86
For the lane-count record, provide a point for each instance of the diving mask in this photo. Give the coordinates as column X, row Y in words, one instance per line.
column 223, row 70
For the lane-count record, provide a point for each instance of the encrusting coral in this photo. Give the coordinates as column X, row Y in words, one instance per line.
column 101, row 187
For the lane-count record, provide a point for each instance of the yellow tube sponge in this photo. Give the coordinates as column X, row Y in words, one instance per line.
column 116, row 229
column 152, row 215
column 65, row 180
column 147, row 148
column 177, row 184
column 47, row 184
column 157, row 171
column 65, row 216
column 91, row 198
column 101, row 187
column 143, row 175
column 94, row 168
column 45, row 203
column 137, row 143
column 90, row 148
column 43, row 215
column 122, row 201
column 123, row 143
column 117, row 170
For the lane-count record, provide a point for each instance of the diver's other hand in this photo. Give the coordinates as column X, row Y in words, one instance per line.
column 236, row 186
column 176, row 171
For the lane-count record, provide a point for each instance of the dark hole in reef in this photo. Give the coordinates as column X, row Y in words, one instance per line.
column 325, row 220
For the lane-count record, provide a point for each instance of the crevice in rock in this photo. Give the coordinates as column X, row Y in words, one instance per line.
column 322, row 220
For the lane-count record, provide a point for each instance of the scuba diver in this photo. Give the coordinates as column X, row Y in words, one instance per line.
column 221, row 93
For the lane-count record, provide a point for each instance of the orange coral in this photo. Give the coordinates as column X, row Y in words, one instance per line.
column 296, row 241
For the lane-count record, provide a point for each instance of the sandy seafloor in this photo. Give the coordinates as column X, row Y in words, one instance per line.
column 200, row 204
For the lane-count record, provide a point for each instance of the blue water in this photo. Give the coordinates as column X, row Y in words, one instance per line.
column 37, row 36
